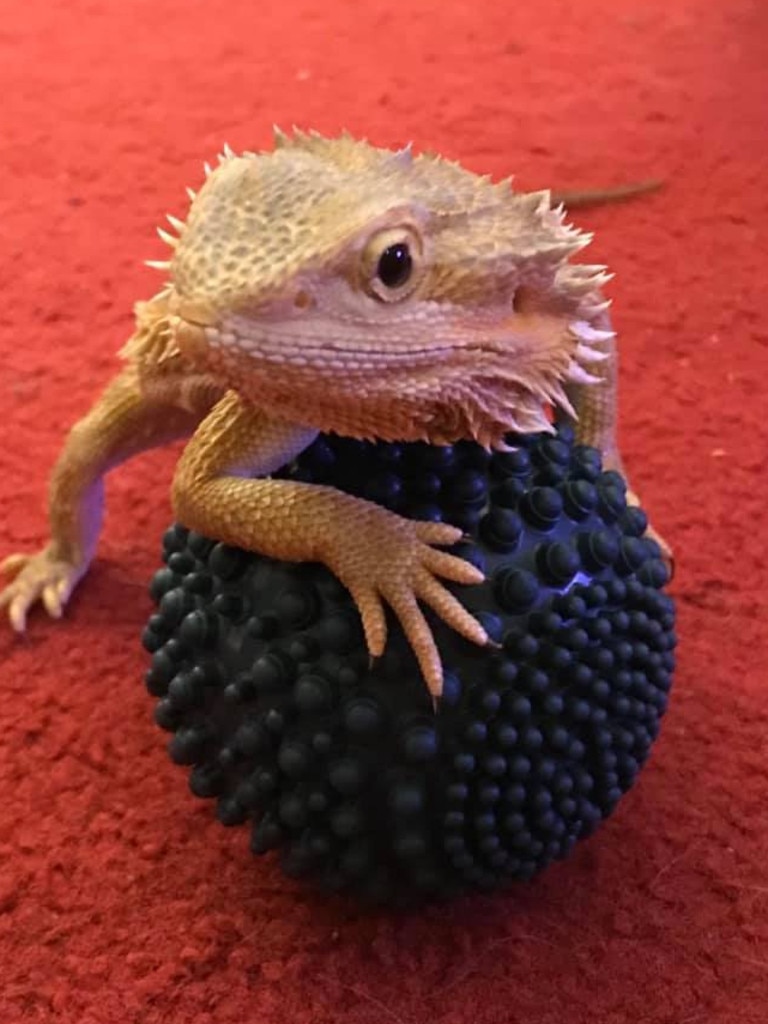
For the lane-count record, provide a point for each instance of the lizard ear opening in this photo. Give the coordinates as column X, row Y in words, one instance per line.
column 523, row 300
column 392, row 264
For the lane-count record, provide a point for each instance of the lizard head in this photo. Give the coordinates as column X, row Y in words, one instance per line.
column 383, row 295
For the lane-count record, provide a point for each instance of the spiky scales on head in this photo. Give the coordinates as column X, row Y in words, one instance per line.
column 382, row 294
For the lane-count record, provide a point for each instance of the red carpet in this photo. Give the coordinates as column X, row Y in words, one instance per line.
column 121, row 899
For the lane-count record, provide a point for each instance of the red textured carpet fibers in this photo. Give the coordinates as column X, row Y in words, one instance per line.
column 121, row 898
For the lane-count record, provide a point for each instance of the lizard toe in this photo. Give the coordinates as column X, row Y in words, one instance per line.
column 52, row 601
column 373, row 619
column 40, row 577
column 451, row 567
column 17, row 612
column 451, row 610
column 416, row 628
column 13, row 564
column 436, row 533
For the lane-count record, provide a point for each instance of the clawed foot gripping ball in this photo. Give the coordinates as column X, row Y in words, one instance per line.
column 346, row 770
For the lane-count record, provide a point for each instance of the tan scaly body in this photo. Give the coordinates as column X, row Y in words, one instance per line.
column 331, row 285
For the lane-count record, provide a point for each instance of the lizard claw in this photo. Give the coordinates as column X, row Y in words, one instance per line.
column 667, row 556
column 40, row 577
column 392, row 562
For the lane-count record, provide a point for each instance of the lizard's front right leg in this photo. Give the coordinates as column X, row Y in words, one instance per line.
column 127, row 419
column 380, row 557
column 596, row 405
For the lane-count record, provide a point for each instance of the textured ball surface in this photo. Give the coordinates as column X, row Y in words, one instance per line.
column 346, row 770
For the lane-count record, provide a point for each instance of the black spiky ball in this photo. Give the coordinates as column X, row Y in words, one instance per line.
column 345, row 770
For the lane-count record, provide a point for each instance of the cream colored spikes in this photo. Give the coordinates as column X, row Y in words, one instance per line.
column 576, row 374
column 581, row 239
column 585, row 354
column 584, row 278
column 587, row 336
column 192, row 194
column 168, row 238
column 176, row 224
column 572, row 236
column 208, row 169
column 402, row 158
column 599, row 278
column 560, row 398
column 226, row 154
column 592, row 310
column 534, row 203
column 586, row 332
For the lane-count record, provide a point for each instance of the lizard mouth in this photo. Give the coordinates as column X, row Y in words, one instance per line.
column 327, row 352
column 273, row 344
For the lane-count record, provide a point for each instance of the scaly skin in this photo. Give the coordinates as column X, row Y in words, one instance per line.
column 280, row 320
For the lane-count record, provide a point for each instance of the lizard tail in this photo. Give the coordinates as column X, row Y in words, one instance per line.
column 598, row 196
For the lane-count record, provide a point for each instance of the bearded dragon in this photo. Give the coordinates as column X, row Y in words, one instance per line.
column 329, row 285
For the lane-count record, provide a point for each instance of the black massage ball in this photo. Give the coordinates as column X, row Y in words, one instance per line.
column 347, row 770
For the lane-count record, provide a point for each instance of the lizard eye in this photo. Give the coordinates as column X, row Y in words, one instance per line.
column 395, row 265
column 391, row 264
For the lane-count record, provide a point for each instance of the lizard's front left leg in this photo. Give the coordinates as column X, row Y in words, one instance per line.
column 380, row 557
column 128, row 418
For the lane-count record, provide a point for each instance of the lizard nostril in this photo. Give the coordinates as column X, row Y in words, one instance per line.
column 302, row 300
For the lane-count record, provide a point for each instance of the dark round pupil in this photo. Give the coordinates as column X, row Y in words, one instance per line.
column 395, row 265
